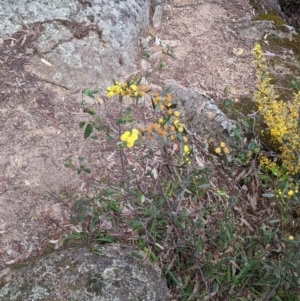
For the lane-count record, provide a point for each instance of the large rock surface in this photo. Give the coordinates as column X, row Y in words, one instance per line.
column 200, row 113
column 98, row 273
column 87, row 42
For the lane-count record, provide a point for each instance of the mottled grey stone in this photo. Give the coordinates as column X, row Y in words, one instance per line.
column 254, row 30
column 200, row 113
column 87, row 43
column 97, row 273
column 156, row 20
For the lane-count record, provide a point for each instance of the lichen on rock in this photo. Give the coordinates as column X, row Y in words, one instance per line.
column 96, row 273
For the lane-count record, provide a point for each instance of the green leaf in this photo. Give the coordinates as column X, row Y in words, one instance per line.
column 73, row 236
column 122, row 120
column 263, row 177
column 136, row 255
column 274, row 170
column 170, row 53
column 228, row 102
column 81, row 124
column 245, row 123
column 79, row 203
column 166, row 140
column 181, row 193
column 188, row 291
column 88, row 131
column 204, row 186
column 165, row 91
column 106, row 239
column 175, row 280
column 87, row 170
column 86, row 91
column 283, row 178
column 146, row 53
column 268, row 195
column 274, row 221
column 127, row 111
column 226, row 90
column 181, row 147
column 91, row 111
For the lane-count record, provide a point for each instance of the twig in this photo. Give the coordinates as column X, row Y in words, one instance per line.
column 193, row 4
column 271, row 293
column 53, row 83
column 283, row 88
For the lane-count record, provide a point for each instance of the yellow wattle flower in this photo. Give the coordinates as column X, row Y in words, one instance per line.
column 133, row 88
column 218, row 150
column 125, row 136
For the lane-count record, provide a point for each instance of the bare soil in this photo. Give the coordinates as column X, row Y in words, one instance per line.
column 39, row 120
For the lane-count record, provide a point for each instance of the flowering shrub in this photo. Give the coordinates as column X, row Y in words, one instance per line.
column 168, row 126
column 130, row 137
column 222, row 148
column 209, row 225
column 281, row 118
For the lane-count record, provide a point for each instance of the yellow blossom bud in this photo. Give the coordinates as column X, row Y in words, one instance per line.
column 186, row 149
column 222, row 144
column 226, row 150
column 291, row 237
column 134, row 137
column 218, row 150
column 135, row 131
column 125, row 136
column 168, row 97
column 290, row 192
column 133, row 88
column 110, row 94
column 176, row 113
column 129, row 143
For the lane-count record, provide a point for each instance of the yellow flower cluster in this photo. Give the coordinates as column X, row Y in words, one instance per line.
column 185, row 155
column 168, row 126
column 286, row 193
column 222, row 148
column 280, row 117
column 126, row 89
column 130, row 137
column 266, row 164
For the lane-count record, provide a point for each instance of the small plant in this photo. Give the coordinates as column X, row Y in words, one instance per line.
column 281, row 118
column 206, row 218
